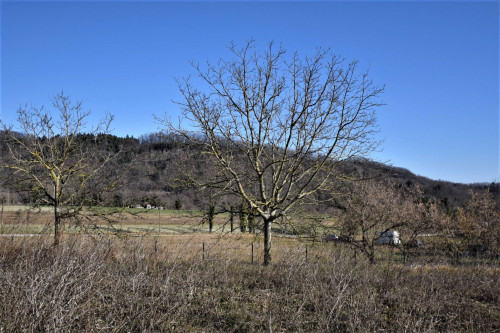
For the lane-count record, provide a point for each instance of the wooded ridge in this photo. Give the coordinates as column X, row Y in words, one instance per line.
column 154, row 165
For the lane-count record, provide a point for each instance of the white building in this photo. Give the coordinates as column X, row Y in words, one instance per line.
column 389, row 237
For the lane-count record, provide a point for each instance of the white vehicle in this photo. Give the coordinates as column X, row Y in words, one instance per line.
column 389, row 237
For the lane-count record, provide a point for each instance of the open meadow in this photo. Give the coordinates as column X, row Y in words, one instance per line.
column 132, row 221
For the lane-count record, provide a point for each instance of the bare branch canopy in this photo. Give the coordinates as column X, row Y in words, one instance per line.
column 50, row 154
column 277, row 124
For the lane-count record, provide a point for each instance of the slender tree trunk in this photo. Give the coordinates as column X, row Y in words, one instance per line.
column 57, row 217
column 267, row 242
column 3, row 202
column 57, row 220
column 371, row 257
column 243, row 219
column 251, row 226
column 211, row 214
column 231, row 219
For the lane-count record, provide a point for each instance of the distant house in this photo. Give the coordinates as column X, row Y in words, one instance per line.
column 389, row 237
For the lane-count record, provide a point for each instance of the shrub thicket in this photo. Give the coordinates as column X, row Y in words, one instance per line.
column 86, row 286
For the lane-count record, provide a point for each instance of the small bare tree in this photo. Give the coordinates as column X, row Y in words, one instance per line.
column 372, row 208
column 421, row 214
column 50, row 158
column 478, row 225
column 277, row 126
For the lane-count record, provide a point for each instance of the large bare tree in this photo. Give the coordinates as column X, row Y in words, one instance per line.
column 276, row 125
column 50, row 157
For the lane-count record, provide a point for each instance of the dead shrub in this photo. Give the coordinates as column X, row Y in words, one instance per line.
column 85, row 285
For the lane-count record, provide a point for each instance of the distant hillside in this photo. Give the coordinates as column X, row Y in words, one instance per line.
column 153, row 164
column 449, row 193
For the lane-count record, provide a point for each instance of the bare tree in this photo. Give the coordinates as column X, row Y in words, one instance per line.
column 421, row 214
column 478, row 225
column 277, row 126
column 372, row 208
column 50, row 156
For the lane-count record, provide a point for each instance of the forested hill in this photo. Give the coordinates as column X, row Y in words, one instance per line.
column 152, row 164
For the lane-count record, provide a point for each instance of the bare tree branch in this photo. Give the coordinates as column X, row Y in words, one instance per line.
column 277, row 126
column 49, row 156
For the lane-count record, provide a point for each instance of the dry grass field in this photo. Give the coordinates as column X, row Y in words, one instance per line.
column 198, row 281
column 22, row 219
column 163, row 284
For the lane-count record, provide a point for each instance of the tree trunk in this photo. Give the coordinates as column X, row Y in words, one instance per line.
column 57, row 217
column 57, row 220
column 3, row 202
column 371, row 257
column 243, row 219
column 267, row 242
column 211, row 214
column 231, row 218
column 251, row 225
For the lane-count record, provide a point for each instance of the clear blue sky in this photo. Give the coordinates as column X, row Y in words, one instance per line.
column 438, row 60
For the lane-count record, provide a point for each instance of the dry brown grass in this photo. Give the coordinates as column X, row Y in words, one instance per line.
column 22, row 219
column 163, row 285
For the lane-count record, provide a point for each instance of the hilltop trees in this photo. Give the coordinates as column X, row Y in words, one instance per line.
column 50, row 158
column 276, row 126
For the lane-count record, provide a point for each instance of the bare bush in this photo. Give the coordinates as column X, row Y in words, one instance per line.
column 128, row 286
